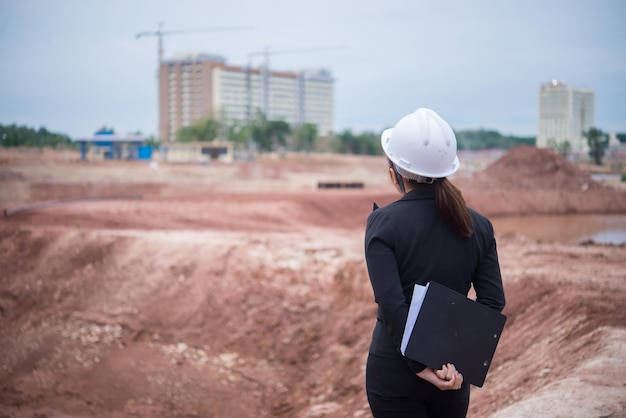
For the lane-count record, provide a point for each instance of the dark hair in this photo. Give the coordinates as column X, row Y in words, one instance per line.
column 452, row 207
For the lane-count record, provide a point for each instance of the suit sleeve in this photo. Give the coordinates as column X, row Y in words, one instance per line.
column 385, row 279
column 487, row 278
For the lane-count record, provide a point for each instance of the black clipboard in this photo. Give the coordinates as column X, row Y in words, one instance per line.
column 444, row 326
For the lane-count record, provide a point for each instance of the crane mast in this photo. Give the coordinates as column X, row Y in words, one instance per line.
column 159, row 33
column 265, row 72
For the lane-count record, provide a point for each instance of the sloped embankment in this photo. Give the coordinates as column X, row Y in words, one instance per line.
column 205, row 323
column 181, row 323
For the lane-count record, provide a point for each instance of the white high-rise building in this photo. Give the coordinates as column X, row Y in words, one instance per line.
column 197, row 86
column 565, row 114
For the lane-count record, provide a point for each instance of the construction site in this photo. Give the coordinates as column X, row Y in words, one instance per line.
column 240, row 289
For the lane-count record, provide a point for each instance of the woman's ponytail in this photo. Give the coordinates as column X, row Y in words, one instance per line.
column 452, row 207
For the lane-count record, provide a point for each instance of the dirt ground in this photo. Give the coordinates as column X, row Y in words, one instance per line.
column 240, row 290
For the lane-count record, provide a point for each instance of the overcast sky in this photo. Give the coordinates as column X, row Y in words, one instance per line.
column 75, row 65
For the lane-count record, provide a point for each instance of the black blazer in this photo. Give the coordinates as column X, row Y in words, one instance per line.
column 407, row 242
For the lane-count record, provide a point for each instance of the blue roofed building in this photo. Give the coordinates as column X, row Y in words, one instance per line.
column 106, row 145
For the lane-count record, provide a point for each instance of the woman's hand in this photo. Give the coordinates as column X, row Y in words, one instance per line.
column 446, row 378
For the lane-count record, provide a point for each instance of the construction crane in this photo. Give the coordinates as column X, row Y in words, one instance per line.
column 160, row 33
column 266, row 71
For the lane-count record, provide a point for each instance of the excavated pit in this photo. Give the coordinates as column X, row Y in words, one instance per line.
column 241, row 291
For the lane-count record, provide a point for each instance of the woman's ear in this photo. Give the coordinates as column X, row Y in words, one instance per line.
column 398, row 181
column 394, row 177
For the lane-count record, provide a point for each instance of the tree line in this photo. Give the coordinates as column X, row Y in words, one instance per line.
column 266, row 135
column 487, row 139
column 276, row 135
column 22, row 136
column 272, row 135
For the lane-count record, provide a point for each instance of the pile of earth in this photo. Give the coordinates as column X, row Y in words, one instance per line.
column 528, row 180
column 525, row 167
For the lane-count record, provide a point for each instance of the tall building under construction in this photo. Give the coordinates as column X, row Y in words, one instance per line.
column 565, row 114
column 197, row 86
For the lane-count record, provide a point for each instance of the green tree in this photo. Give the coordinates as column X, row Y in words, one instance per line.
column 347, row 142
column 306, row 135
column 597, row 142
column 563, row 148
column 106, row 130
column 203, row 130
column 238, row 132
column 153, row 141
column 260, row 132
column 367, row 143
column 278, row 131
column 269, row 134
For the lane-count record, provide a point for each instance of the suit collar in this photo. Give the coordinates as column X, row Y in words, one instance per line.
column 421, row 191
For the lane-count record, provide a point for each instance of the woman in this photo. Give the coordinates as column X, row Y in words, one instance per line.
column 427, row 235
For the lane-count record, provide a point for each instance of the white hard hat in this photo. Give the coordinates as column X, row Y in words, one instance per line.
column 421, row 144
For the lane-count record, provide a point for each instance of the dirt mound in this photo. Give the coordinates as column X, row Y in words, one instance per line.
column 526, row 167
column 528, row 180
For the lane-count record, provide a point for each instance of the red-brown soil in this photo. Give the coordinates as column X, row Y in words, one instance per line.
column 240, row 290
